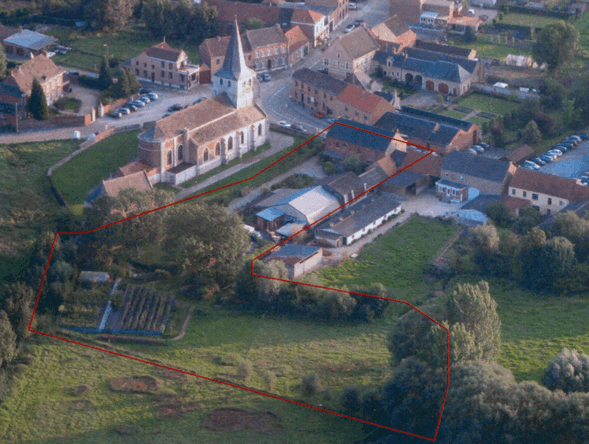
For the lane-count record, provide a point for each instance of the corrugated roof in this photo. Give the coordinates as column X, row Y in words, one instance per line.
column 270, row 214
column 476, row 166
column 30, row 40
column 358, row 134
column 320, row 81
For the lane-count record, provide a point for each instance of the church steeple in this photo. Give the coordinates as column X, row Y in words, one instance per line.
column 235, row 78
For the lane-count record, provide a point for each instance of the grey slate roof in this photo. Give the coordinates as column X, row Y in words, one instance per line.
column 398, row 156
column 451, row 72
column 464, row 125
column 469, row 65
column 476, row 166
column 294, row 250
column 437, row 69
column 357, row 136
column 30, row 40
column 359, row 42
column 343, row 183
column 234, row 65
column 449, row 183
column 404, row 179
column 266, row 36
column 320, row 81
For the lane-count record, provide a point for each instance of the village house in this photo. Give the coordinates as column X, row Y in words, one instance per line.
column 387, row 175
column 299, row 259
column 430, row 130
column 480, row 174
column 339, row 7
column 548, row 193
column 411, row 11
column 168, row 66
column 456, row 51
column 356, row 221
column 422, row 163
column 354, row 103
column 314, row 24
column 17, row 85
column 229, row 11
column 212, row 132
column 112, row 187
column 19, row 43
column 393, row 35
column 347, row 138
column 347, row 186
column 212, row 52
column 351, row 53
column 298, row 44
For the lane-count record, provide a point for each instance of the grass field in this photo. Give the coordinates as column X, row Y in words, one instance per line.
column 536, row 327
column 26, row 200
column 123, row 45
column 86, row 170
column 453, row 114
column 490, row 104
column 493, row 51
column 478, row 120
column 538, row 21
column 397, row 260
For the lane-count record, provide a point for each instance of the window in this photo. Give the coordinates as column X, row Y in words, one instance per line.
column 260, row 129
column 284, row 60
column 347, row 65
column 171, row 76
column 446, row 174
column 218, row 61
column 326, row 62
column 462, row 178
column 276, row 50
column 228, row 82
column 144, row 74
column 337, row 144
column 163, row 75
column 331, row 98
column 152, row 66
column 345, row 146
column 346, row 107
column 137, row 62
column 242, row 137
column 276, row 62
column 169, row 66
column 283, row 49
column 205, row 156
column 513, row 192
column 170, row 157
column 357, row 114
column 257, row 54
column 316, row 92
column 257, row 65
column 325, row 95
column 308, row 88
column 182, row 78
column 180, row 152
column 297, row 84
column 163, row 64
column 218, row 149
column 145, row 65
column 550, row 201
column 365, row 117
column 534, row 196
column 136, row 72
column 525, row 194
column 220, row 81
column 230, row 143
column 561, row 203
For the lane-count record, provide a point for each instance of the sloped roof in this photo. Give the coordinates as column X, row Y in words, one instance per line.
column 391, row 27
column 112, row 187
column 266, row 36
column 549, row 184
column 451, row 72
column 359, row 42
column 469, row 65
column 320, row 81
column 40, row 67
column 310, row 200
column 163, row 51
column 449, row 183
column 270, row 214
column 217, row 46
column 430, row 165
column 363, row 100
column 30, row 40
column 354, row 134
column 300, row 252
column 275, row 197
column 234, row 66
column 306, row 16
column 296, row 38
column 344, row 183
column 476, row 166
column 519, row 153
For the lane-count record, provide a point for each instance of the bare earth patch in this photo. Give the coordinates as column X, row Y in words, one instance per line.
column 80, row 390
column 126, row 430
column 172, row 375
column 134, row 384
column 234, row 420
column 80, row 404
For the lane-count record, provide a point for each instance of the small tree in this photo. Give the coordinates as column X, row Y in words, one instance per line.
column 469, row 35
column 310, row 385
column 252, row 23
column 531, row 133
column 269, row 379
column 245, row 370
column 7, row 340
column 351, row 401
column 37, row 103
column 134, row 84
column 122, row 87
column 569, row 372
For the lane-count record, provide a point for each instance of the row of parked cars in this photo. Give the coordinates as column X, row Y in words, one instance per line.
column 480, row 148
column 134, row 105
column 556, row 151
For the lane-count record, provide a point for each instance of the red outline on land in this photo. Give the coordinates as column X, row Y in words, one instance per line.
column 268, row 277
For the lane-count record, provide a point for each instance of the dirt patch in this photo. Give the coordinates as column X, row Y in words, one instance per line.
column 127, row 430
column 175, row 410
column 234, row 420
column 80, row 404
column 172, row 375
column 80, row 390
column 134, row 384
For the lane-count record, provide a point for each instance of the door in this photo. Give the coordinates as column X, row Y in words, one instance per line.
column 269, row 64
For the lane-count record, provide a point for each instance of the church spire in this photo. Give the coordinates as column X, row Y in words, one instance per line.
column 234, row 66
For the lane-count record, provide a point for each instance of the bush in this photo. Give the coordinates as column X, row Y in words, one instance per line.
column 269, row 380
column 89, row 82
column 569, row 372
column 350, row 400
column 310, row 385
column 245, row 370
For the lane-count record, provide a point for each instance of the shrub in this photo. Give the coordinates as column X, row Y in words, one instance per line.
column 245, row 370
column 269, row 379
column 569, row 372
column 310, row 385
column 350, row 400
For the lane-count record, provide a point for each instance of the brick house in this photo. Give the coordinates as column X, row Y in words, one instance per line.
column 264, row 49
column 316, row 90
column 548, row 193
column 212, row 132
column 360, row 106
column 393, row 35
column 299, row 259
column 339, row 7
column 269, row 48
column 165, row 65
column 314, row 24
column 17, row 86
column 351, row 53
column 370, row 144
column 485, row 175
column 298, row 44
column 430, row 130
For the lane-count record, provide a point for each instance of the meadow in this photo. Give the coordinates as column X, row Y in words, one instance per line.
column 489, row 104
column 86, row 170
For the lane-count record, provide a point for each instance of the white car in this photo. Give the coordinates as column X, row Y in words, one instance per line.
column 125, row 111
column 284, row 124
column 352, row 6
column 349, row 28
column 471, row 151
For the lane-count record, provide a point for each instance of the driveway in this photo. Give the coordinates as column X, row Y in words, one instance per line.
column 87, row 96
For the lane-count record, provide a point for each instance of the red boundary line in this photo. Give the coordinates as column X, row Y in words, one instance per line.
column 268, row 277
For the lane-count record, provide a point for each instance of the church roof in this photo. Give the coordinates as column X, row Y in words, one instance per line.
column 234, row 66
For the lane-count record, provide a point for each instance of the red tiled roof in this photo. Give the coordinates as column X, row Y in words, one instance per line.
column 549, row 184
column 430, row 165
column 358, row 98
column 163, row 51
column 296, row 38
column 137, row 180
column 40, row 67
column 514, row 203
column 306, row 16
column 217, row 46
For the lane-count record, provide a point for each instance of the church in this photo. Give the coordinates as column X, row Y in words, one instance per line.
column 210, row 133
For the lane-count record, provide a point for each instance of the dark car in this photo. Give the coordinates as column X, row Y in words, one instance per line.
column 358, row 22
column 266, row 77
column 131, row 107
column 538, row 161
column 174, row 107
column 144, row 91
column 115, row 114
column 198, row 100
column 546, row 158
column 583, row 136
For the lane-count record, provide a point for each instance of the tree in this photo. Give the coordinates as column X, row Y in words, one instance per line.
column 568, row 371
column 545, row 123
column 37, row 102
column 7, row 340
column 353, row 163
column 531, row 133
column 20, row 299
column 556, row 45
column 3, row 66
column 544, row 264
column 134, row 84
column 485, row 238
column 104, row 77
column 108, row 15
column 122, row 88
column 252, row 23
column 469, row 35
column 351, row 401
column 153, row 15
column 570, row 114
column 553, row 94
column 500, row 214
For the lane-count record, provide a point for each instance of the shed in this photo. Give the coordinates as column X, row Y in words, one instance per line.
column 298, row 259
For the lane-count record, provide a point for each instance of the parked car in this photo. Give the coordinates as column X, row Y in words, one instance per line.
column 546, row 158
column 583, row 136
column 331, row 120
column 471, row 151
column 479, row 149
column 556, row 152
column 562, row 148
column 266, row 77
column 131, row 107
column 299, row 127
column 153, row 96
column 144, row 91
column 530, row 164
column 318, row 115
column 124, row 111
column 352, row 6
column 166, row 115
column 115, row 114
column 138, row 103
column 144, row 99
column 358, row 22
column 575, row 136
column 260, row 78
column 485, row 145
column 200, row 99
column 572, row 142
column 538, row 161
column 349, row 28
column 584, row 178
column 284, row 124
column 174, row 107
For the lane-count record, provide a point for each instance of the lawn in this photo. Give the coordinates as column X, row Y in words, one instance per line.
column 478, row 120
column 536, row 327
column 538, row 21
column 26, row 200
column 493, row 51
column 397, row 260
column 89, row 49
column 453, row 114
column 86, row 170
column 68, row 103
column 489, row 104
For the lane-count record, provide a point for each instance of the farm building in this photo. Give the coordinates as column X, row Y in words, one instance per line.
column 94, row 276
column 298, row 259
column 357, row 221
